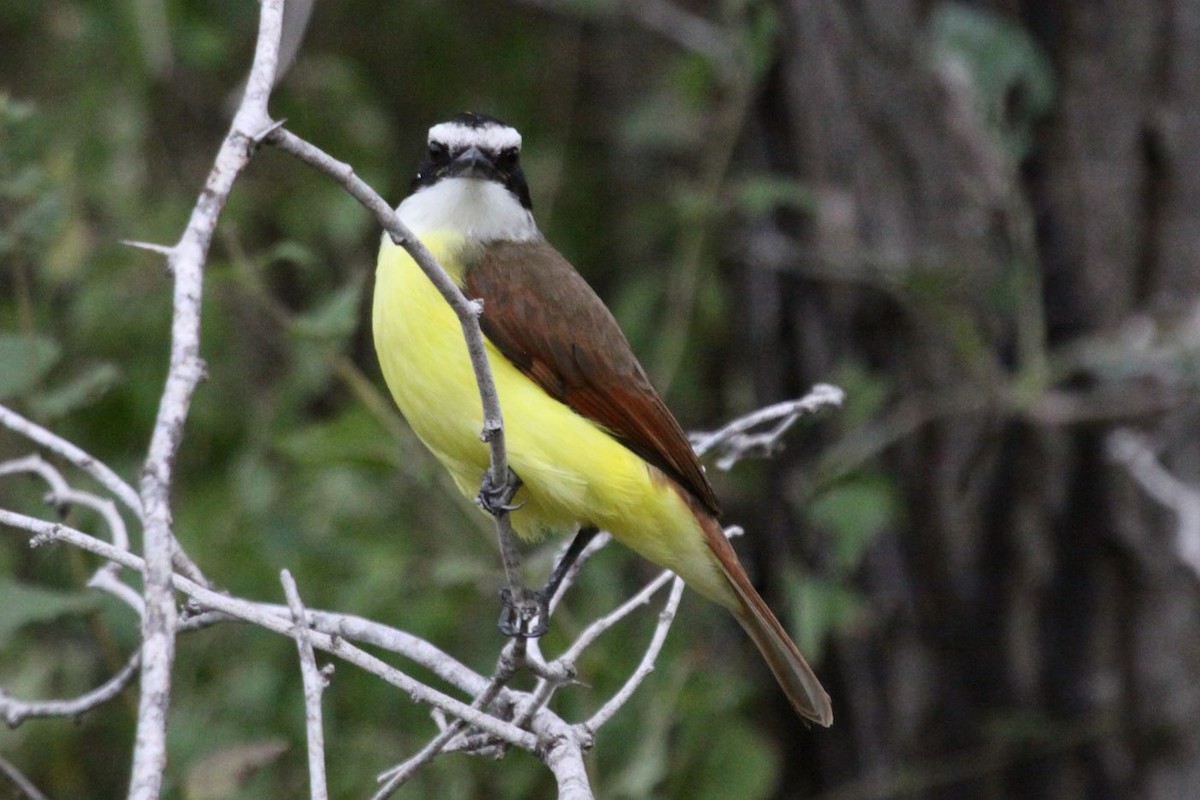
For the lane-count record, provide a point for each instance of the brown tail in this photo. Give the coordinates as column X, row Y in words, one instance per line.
column 795, row 677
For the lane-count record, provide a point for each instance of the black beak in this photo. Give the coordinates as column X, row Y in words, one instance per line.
column 472, row 163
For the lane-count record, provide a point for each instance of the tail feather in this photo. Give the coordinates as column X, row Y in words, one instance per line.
column 792, row 672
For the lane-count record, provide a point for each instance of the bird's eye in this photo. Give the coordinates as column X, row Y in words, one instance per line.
column 507, row 158
column 438, row 151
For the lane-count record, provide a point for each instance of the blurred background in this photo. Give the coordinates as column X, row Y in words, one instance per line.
column 979, row 218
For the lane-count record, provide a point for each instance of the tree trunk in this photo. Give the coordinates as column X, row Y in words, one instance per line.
column 1032, row 632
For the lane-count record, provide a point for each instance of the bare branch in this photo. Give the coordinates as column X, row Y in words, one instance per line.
column 415, row 649
column 479, row 728
column 1133, row 451
column 594, row 546
column 76, row 456
column 483, row 724
column 562, row 671
column 16, row 711
column 646, row 665
column 737, row 441
column 161, row 249
column 594, row 631
column 186, row 262
column 20, row 781
column 397, row 776
column 315, row 681
column 62, row 495
column 563, row 754
column 265, row 617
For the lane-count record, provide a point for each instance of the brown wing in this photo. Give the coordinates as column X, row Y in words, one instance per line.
column 545, row 318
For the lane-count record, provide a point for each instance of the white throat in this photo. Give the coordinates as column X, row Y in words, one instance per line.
column 480, row 211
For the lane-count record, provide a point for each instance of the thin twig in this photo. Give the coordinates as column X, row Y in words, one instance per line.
column 315, row 681
column 186, row 263
column 646, row 665
column 20, row 781
column 472, row 728
column 358, row 629
column 594, row 630
column 397, row 776
column 561, row 746
column 1133, row 451
column 14, row 711
column 61, row 494
column 46, row 532
column 562, row 671
column 75, row 455
column 415, row 649
column 594, row 546
column 738, row 442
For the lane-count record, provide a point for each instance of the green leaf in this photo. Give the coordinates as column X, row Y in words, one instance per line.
column 694, row 206
column 1012, row 79
column 762, row 194
column 24, row 604
column 334, row 319
column 647, row 764
column 24, row 361
column 352, row 437
column 867, row 393
column 760, row 36
column 291, row 252
column 737, row 761
column 818, row 608
column 80, row 391
column 855, row 512
column 638, row 305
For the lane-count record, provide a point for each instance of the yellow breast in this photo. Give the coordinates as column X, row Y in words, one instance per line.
column 572, row 471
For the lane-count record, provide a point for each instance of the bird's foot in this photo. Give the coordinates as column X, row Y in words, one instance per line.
column 496, row 498
column 528, row 618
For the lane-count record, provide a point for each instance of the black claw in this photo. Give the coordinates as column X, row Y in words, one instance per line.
column 497, row 499
column 528, row 619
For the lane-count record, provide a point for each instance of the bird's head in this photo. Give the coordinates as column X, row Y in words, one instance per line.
column 470, row 181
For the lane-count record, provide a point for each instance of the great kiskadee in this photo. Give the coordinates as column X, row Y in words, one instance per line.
column 591, row 441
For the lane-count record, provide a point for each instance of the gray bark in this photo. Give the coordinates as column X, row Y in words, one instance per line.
column 1032, row 633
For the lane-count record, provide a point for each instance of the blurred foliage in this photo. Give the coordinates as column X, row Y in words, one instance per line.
column 293, row 457
column 852, row 514
column 1012, row 78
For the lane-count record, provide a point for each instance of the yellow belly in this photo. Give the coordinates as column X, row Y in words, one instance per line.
column 573, row 472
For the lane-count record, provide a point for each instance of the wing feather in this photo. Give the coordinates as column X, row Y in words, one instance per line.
column 543, row 317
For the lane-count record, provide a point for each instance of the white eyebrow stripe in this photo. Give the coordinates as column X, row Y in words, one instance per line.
column 489, row 137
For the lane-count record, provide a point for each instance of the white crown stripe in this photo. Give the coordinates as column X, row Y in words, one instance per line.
column 495, row 138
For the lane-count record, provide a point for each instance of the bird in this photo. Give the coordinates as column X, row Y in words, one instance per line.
column 591, row 442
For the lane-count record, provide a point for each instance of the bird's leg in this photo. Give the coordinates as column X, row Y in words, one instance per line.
column 524, row 616
column 531, row 619
column 581, row 540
